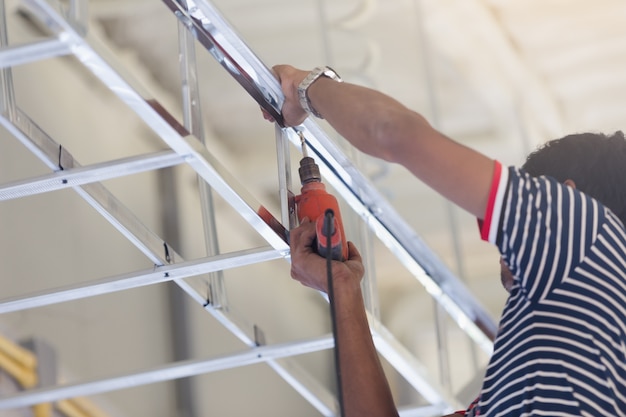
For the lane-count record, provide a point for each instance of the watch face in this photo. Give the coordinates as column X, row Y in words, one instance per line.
column 330, row 73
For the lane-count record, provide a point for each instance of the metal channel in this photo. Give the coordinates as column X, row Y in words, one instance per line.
column 184, row 392
column 89, row 174
column 168, row 372
column 285, row 193
column 35, row 51
column 224, row 44
column 199, row 158
column 7, row 96
column 261, row 84
column 56, row 157
column 99, row 60
column 138, row 279
column 105, row 203
column 214, row 32
column 192, row 114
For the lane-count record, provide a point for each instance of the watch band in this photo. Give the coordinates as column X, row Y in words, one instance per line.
column 303, row 87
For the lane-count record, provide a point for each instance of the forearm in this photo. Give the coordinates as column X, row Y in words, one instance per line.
column 363, row 116
column 365, row 388
column 383, row 127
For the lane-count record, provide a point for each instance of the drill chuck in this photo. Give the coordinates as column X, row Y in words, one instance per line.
column 309, row 171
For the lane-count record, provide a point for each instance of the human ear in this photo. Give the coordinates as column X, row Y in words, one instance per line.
column 570, row 183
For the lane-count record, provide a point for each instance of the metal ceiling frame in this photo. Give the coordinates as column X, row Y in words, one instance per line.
column 204, row 23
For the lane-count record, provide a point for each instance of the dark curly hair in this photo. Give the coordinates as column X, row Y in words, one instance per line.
column 594, row 161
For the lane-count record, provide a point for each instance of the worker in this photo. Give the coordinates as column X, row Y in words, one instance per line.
column 558, row 223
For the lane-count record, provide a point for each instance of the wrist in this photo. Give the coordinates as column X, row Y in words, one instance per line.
column 347, row 287
column 303, row 87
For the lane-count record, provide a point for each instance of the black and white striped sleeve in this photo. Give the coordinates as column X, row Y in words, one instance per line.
column 541, row 227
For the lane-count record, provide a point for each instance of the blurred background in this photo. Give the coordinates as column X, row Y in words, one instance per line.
column 501, row 76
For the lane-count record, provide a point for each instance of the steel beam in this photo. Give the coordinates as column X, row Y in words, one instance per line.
column 137, row 279
column 32, row 52
column 165, row 373
column 89, row 174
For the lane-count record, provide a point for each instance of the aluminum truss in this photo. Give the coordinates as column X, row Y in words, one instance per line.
column 200, row 20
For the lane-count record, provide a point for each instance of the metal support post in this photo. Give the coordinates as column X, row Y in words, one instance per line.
column 7, row 97
column 192, row 114
column 285, row 193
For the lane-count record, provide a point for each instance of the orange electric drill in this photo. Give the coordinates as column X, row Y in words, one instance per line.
column 313, row 202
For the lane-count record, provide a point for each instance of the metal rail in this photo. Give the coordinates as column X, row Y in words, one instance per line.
column 206, row 24
column 220, row 39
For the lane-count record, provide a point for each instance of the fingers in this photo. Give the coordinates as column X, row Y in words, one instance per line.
column 353, row 253
column 289, row 79
column 267, row 116
column 302, row 236
column 306, row 266
column 355, row 262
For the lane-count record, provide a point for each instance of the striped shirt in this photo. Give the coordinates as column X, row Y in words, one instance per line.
column 561, row 344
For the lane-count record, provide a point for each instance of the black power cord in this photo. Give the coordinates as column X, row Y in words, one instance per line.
column 329, row 218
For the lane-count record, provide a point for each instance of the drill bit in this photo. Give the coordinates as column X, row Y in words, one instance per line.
column 305, row 153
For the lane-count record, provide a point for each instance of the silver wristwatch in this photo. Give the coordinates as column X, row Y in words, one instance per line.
column 310, row 79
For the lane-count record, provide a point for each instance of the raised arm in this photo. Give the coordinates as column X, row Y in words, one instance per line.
column 382, row 127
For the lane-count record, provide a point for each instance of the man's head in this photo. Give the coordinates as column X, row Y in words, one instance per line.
column 594, row 162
